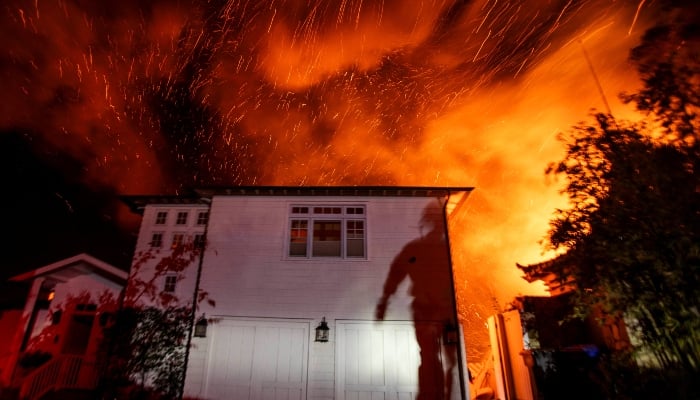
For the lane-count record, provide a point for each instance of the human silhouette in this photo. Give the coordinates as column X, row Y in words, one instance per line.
column 425, row 261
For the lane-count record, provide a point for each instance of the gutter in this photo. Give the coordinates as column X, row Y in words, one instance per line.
column 461, row 356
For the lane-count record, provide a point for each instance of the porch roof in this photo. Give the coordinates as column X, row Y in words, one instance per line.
column 71, row 267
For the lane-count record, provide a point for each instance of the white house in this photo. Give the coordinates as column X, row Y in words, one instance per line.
column 316, row 292
column 58, row 317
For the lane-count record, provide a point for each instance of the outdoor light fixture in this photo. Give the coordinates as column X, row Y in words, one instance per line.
column 200, row 328
column 322, row 331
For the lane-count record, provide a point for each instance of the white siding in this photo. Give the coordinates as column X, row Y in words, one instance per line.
column 185, row 288
column 247, row 273
column 246, row 256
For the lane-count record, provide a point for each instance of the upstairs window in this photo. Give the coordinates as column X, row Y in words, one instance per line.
column 161, row 217
column 327, row 231
column 181, row 218
column 170, row 283
column 178, row 240
column 199, row 241
column 298, row 234
column 157, row 239
column 355, row 234
column 202, row 218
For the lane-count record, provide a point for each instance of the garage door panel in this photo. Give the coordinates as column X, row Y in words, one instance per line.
column 257, row 360
column 351, row 367
column 297, row 355
column 366, row 395
column 377, row 361
column 405, row 356
column 271, row 393
column 231, row 391
column 377, row 358
column 234, row 361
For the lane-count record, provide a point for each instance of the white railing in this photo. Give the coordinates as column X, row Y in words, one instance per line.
column 62, row 372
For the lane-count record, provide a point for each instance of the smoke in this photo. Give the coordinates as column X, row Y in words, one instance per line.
column 158, row 96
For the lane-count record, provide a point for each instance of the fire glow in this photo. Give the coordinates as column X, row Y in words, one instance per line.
column 152, row 98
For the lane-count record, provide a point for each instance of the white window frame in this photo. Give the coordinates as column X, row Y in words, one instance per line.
column 163, row 220
column 202, row 217
column 307, row 212
column 199, row 240
column 178, row 239
column 181, row 217
column 156, row 244
column 170, row 283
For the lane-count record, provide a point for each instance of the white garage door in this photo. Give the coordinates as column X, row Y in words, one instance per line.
column 257, row 360
column 377, row 361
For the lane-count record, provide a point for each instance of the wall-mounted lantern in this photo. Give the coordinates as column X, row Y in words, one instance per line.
column 200, row 328
column 322, row 331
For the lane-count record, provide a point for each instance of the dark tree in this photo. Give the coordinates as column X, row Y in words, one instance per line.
column 144, row 352
column 631, row 232
column 632, row 235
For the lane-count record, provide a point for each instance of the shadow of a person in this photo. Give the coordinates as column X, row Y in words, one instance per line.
column 425, row 261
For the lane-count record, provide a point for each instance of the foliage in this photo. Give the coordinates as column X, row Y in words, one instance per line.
column 145, row 348
column 632, row 233
column 632, row 229
column 149, row 268
column 668, row 61
column 148, row 348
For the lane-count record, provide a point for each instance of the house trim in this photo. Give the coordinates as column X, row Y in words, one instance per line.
column 203, row 195
column 81, row 263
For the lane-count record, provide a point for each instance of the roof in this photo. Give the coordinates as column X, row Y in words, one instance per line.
column 203, row 195
column 549, row 272
column 80, row 264
column 537, row 271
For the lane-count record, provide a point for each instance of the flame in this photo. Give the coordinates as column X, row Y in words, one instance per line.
column 153, row 97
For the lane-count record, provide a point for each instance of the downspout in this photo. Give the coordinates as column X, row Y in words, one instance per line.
column 460, row 357
column 195, row 295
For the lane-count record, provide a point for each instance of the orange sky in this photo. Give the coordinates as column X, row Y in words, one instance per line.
column 162, row 96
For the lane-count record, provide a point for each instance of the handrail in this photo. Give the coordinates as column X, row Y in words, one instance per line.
column 62, row 372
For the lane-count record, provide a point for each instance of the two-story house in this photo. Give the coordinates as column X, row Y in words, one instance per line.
column 317, row 292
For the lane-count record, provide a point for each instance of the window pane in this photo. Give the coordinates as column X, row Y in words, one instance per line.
column 297, row 238
column 178, row 239
column 170, row 283
column 157, row 240
column 161, row 217
column 181, row 218
column 326, row 239
column 202, row 218
column 355, row 244
column 199, row 240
